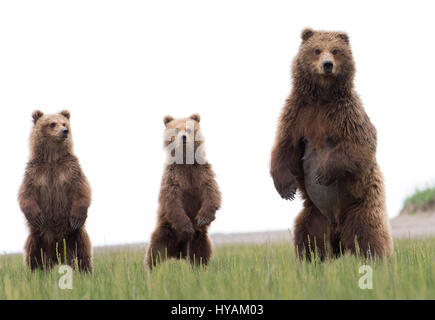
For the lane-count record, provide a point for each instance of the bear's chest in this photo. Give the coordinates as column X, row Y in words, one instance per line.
column 188, row 179
column 52, row 179
column 317, row 125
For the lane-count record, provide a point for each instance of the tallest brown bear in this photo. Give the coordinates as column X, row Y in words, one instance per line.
column 326, row 148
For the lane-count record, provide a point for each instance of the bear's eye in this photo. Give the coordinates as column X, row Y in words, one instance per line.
column 188, row 131
column 64, row 124
column 52, row 125
column 317, row 51
column 334, row 52
column 177, row 130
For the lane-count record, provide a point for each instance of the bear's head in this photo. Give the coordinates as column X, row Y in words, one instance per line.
column 51, row 130
column 183, row 139
column 324, row 58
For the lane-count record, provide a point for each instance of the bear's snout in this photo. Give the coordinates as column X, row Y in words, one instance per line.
column 328, row 66
column 65, row 133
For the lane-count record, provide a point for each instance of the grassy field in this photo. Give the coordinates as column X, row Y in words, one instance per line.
column 268, row 271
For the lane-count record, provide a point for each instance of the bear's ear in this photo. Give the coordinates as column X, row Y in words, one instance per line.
column 167, row 119
column 306, row 34
column 343, row 36
column 65, row 113
column 195, row 117
column 36, row 115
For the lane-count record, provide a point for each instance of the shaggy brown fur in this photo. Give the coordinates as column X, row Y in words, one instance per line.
column 326, row 148
column 189, row 198
column 55, row 196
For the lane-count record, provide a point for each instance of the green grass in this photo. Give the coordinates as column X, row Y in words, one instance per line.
column 421, row 197
column 268, row 271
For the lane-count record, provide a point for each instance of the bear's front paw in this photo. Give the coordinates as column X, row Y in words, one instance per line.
column 289, row 193
column 36, row 220
column 76, row 222
column 188, row 228
column 324, row 179
column 286, row 190
column 204, row 220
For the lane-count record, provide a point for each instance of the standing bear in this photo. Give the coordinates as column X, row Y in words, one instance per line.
column 189, row 197
column 326, row 148
column 55, row 196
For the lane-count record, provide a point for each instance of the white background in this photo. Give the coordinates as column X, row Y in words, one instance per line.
column 120, row 66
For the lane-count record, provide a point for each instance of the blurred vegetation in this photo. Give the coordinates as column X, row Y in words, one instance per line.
column 421, row 201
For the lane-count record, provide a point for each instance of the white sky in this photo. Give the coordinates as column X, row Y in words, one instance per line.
column 120, row 66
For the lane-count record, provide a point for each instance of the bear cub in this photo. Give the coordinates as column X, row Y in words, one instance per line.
column 54, row 197
column 189, row 197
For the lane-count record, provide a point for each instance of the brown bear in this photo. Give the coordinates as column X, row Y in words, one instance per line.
column 326, row 148
column 189, row 197
column 55, row 196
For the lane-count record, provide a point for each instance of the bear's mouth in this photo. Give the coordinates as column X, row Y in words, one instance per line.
column 327, row 75
column 62, row 137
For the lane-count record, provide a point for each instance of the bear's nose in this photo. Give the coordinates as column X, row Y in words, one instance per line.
column 184, row 138
column 327, row 66
column 65, row 132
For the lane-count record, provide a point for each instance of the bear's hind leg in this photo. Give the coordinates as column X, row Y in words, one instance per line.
column 200, row 249
column 366, row 228
column 163, row 244
column 79, row 251
column 336, row 246
column 311, row 233
column 34, row 252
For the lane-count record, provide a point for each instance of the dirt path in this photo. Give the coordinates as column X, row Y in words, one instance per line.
column 414, row 226
column 403, row 226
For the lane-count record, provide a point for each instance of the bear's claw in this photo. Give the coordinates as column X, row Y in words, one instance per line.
column 76, row 223
column 322, row 180
column 202, row 221
column 288, row 194
column 188, row 229
column 39, row 222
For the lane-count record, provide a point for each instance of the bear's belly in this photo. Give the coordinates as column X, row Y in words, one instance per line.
column 55, row 201
column 325, row 198
column 191, row 203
